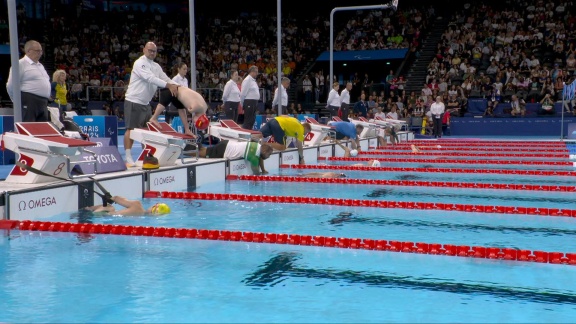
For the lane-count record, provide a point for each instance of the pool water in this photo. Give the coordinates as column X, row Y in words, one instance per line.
column 65, row 277
column 136, row 279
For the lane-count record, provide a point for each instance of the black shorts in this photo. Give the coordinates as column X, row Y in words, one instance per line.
column 166, row 98
column 339, row 136
column 273, row 128
column 217, row 151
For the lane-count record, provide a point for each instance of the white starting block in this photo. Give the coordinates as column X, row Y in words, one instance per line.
column 319, row 132
column 403, row 135
column 228, row 129
column 164, row 143
column 399, row 124
column 370, row 129
column 41, row 146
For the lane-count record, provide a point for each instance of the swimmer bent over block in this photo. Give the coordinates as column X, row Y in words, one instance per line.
column 185, row 100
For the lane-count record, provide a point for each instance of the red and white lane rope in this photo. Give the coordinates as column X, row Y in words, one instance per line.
column 467, row 251
column 455, row 161
column 413, row 183
column 517, row 155
column 431, row 169
column 517, row 210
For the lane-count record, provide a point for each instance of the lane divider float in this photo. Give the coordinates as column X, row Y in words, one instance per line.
column 438, row 147
column 414, row 183
column 517, row 155
column 488, row 143
column 495, row 253
column 518, row 210
column 431, row 169
column 456, row 161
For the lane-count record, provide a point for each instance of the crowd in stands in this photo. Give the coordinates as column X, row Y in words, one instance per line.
column 510, row 51
column 513, row 51
column 97, row 51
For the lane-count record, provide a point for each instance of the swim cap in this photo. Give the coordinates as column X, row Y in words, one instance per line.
column 202, row 122
column 375, row 163
column 160, row 209
column 353, row 153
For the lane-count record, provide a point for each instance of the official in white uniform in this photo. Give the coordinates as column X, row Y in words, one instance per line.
column 333, row 102
column 345, row 101
column 283, row 98
column 249, row 96
column 231, row 96
column 145, row 78
column 34, row 84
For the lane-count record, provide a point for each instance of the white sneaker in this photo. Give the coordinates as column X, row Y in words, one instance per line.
column 130, row 163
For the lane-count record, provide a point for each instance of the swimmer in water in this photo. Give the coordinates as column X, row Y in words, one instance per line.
column 416, row 149
column 341, row 218
column 324, row 175
column 131, row 208
column 354, row 153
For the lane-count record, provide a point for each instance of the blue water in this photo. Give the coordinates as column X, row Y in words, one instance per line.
column 441, row 176
column 468, row 165
column 453, row 227
column 61, row 278
column 496, row 197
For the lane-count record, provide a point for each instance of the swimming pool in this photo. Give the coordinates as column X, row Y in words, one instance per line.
column 149, row 279
column 132, row 279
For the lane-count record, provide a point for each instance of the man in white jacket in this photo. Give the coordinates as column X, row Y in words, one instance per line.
column 146, row 77
column 437, row 110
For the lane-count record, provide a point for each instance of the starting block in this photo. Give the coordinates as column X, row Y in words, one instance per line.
column 319, row 132
column 41, row 146
column 399, row 124
column 370, row 129
column 403, row 135
column 228, row 129
column 164, row 143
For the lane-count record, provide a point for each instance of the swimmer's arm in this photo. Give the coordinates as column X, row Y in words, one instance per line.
column 255, row 169
column 346, row 149
column 125, row 202
column 300, row 148
column 261, row 165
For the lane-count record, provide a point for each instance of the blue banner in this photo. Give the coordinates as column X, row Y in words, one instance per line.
column 540, row 126
column 99, row 126
column 6, row 125
column 387, row 54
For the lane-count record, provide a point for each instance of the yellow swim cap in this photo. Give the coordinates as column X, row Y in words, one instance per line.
column 160, row 209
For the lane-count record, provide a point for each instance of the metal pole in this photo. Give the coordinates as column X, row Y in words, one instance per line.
column 563, row 102
column 192, row 45
column 279, row 45
column 14, row 59
column 393, row 4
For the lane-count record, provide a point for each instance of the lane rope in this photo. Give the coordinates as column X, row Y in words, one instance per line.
column 398, row 147
column 489, row 143
column 455, row 161
column 436, row 170
column 428, row 152
column 495, row 253
column 517, row 210
column 413, row 183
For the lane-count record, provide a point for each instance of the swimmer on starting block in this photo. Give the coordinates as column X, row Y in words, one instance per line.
column 131, row 208
column 185, row 100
